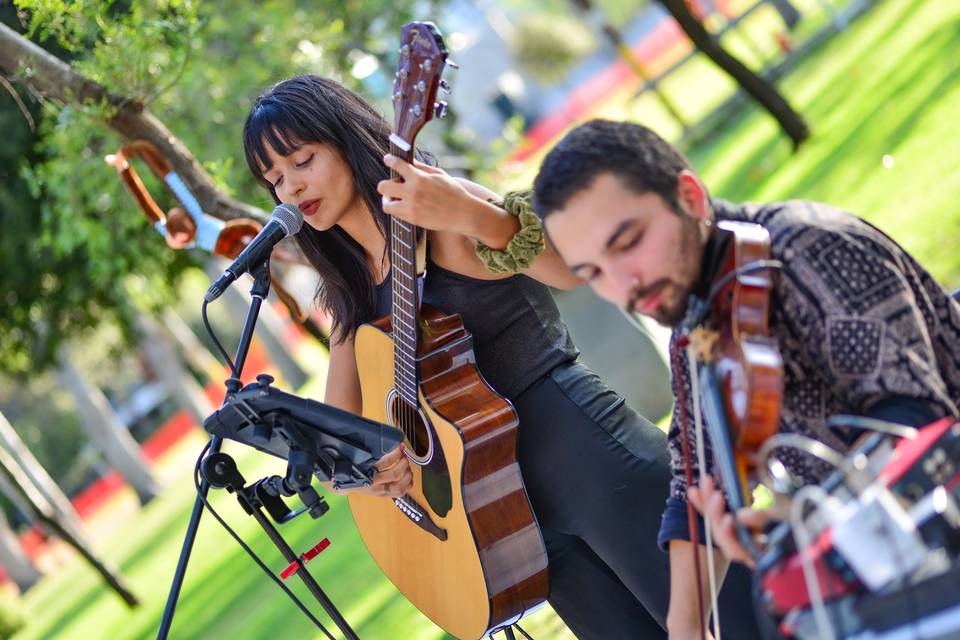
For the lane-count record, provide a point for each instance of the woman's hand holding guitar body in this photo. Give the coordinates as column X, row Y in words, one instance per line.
column 393, row 478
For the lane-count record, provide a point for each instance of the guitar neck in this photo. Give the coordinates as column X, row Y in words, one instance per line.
column 405, row 303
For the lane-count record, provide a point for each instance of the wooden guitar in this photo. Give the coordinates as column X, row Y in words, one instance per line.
column 463, row 545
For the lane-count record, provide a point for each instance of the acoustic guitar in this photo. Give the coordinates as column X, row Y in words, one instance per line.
column 463, row 544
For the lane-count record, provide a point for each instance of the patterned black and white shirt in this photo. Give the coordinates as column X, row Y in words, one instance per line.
column 862, row 329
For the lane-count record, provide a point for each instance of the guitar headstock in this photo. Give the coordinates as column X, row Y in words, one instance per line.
column 423, row 57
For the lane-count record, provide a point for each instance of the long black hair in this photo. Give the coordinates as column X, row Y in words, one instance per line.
column 310, row 109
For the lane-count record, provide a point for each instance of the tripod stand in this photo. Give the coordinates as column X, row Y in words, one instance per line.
column 508, row 633
column 219, row 471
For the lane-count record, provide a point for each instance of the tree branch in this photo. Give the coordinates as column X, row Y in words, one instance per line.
column 53, row 79
column 16, row 97
column 759, row 89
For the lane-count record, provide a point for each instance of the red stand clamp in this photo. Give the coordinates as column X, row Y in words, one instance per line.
column 305, row 557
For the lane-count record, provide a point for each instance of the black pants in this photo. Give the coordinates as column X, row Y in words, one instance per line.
column 598, row 477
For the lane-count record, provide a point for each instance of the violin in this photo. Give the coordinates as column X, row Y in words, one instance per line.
column 741, row 368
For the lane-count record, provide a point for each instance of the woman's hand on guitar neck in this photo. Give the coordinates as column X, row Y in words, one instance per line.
column 431, row 199
column 393, row 478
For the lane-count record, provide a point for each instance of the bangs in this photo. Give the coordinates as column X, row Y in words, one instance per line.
column 272, row 126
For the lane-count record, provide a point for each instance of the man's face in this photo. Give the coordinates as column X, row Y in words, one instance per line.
column 632, row 248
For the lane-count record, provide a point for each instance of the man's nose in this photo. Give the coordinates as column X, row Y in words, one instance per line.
column 617, row 286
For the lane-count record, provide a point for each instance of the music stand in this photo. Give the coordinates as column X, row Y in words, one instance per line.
column 314, row 438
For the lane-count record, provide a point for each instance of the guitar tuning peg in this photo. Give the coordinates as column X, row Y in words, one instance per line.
column 440, row 110
column 452, row 64
column 444, row 86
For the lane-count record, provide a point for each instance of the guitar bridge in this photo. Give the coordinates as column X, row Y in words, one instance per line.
column 419, row 516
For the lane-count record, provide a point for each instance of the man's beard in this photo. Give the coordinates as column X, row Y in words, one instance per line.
column 672, row 315
column 670, row 311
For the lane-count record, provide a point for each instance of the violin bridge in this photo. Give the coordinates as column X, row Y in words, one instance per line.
column 703, row 341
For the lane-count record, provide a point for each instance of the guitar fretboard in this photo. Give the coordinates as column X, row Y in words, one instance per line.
column 406, row 303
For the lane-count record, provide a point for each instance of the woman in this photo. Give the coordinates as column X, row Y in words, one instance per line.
column 596, row 472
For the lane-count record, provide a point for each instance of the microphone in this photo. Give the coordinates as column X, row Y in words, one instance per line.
column 285, row 220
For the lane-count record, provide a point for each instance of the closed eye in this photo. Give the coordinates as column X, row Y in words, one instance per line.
column 307, row 161
column 633, row 242
column 587, row 273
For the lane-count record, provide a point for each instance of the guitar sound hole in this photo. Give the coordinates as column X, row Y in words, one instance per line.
column 410, row 420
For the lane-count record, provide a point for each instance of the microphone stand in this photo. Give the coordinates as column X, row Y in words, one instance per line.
column 221, row 471
column 258, row 293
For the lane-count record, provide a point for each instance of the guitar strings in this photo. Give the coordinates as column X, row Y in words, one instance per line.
column 407, row 414
column 400, row 406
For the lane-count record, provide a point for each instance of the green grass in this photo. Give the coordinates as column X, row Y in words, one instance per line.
column 225, row 594
column 889, row 86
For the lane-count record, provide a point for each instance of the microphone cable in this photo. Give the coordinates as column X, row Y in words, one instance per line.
column 213, row 336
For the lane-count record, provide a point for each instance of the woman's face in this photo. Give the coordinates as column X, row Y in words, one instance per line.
column 317, row 179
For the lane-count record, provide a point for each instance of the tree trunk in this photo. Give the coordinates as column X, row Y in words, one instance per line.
column 43, row 513
column 53, row 79
column 16, row 563
column 759, row 89
column 32, row 469
column 106, row 430
column 160, row 353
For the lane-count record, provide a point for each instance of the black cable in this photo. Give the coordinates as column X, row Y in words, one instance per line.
column 213, row 336
column 250, row 552
column 698, row 308
column 756, row 265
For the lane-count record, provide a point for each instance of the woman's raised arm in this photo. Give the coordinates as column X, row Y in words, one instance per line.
column 431, row 199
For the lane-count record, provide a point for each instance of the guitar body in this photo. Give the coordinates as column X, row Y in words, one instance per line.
column 463, row 545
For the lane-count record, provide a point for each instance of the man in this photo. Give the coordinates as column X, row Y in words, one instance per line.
column 861, row 327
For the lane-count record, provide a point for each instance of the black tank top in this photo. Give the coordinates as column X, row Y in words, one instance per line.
column 518, row 335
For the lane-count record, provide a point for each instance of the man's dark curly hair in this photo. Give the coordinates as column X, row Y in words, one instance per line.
column 638, row 156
